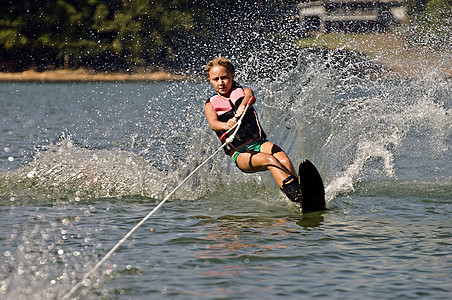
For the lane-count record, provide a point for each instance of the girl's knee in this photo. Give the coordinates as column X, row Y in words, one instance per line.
column 264, row 160
column 270, row 160
column 284, row 160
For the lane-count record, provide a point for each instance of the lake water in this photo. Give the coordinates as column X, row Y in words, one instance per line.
column 82, row 163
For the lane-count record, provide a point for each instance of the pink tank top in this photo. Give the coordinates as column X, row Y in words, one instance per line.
column 222, row 105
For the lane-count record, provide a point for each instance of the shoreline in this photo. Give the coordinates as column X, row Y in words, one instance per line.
column 83, row 75
column 390, row 51
column 391, row 68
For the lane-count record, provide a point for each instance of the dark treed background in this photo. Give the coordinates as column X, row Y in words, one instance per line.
column 134, row 35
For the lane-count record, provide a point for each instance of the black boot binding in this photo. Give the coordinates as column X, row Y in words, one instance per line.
column 291, row 188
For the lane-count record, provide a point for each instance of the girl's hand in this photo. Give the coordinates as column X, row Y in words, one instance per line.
column 231, row 122
column 239, row 111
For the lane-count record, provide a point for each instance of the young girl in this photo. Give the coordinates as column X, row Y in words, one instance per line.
column 250, row 150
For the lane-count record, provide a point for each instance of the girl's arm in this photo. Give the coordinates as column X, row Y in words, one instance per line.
column 212, row 119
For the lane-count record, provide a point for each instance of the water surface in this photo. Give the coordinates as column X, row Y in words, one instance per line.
column 82, row 163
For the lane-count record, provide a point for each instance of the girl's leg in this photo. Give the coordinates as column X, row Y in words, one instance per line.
column 270, row 158
column 256, row 162
column 290, row 185
column 279, row 154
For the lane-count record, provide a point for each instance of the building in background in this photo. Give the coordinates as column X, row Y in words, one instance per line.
column 351, row 15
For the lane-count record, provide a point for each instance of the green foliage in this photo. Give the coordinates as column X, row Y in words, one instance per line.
column 430, row 23
column 96, row 33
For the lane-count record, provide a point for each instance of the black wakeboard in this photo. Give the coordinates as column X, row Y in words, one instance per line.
column 311, row 187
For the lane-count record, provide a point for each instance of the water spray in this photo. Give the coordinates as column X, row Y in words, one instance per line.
column 226, row 140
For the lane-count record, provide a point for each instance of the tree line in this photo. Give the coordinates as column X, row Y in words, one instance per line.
column 126, row 34
column 112, row 34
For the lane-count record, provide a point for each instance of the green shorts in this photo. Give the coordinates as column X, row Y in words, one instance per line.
column 254, row 146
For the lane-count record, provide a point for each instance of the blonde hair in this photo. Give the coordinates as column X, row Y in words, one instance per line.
column 222, row 62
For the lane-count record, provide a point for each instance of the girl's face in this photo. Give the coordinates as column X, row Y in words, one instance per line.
column 221, row 79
